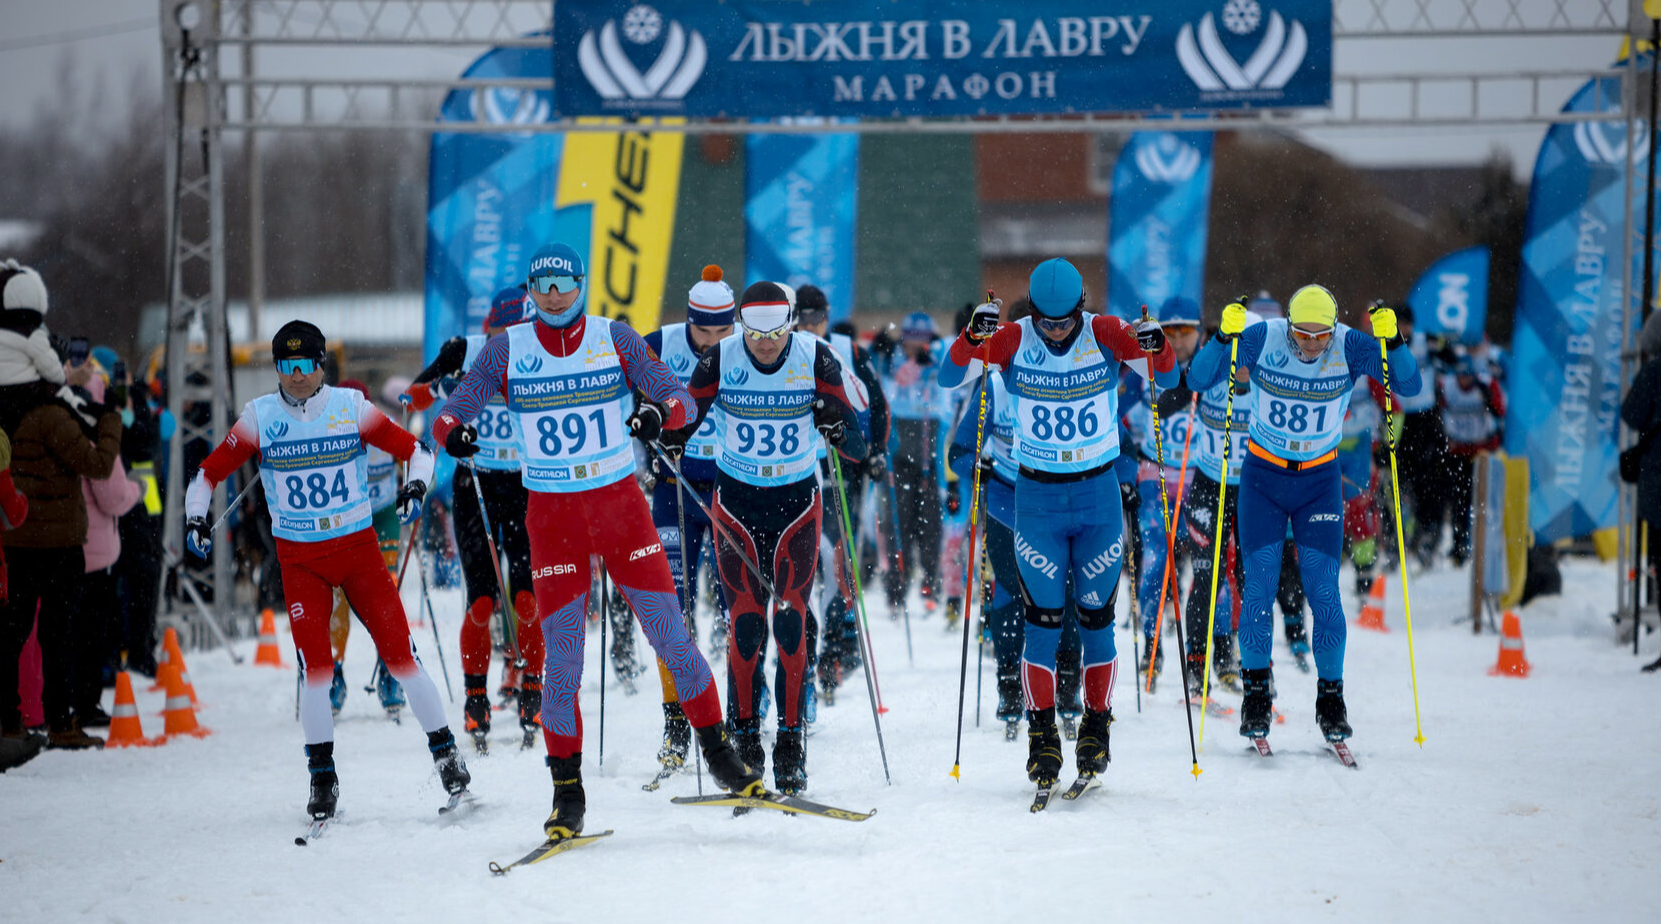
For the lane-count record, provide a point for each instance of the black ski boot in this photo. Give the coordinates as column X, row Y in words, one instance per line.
column 1297, row 639
column 530, row 703
column 1329, row 710
column 1068, row 705
column 729, row 771
column 1091, row 755
column 1194, row 679
column 452, row 770
column 790, row 760
column 475, row 709
column 746, row 740
column 1043, row 748
column 1257, row 708
column 566, row 820
column 1224, row 660
column 1011, row 704
column 677, row 736
column 325, row 785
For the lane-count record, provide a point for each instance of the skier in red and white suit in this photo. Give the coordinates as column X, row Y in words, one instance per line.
column 309, row 441
column 571, row 380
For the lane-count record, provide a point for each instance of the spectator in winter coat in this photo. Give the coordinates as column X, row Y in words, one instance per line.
column 57, row 438
column 1642, row 412
column 107, row 499
column 1473, row 405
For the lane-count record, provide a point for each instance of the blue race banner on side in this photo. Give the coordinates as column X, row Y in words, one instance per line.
column 878, row 59
column 1573, row 292
column 1451, row 298
column 490, row 197
column 1158, row 216
column 799, row 196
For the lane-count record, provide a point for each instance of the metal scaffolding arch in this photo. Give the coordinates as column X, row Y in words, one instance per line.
column 366, row 65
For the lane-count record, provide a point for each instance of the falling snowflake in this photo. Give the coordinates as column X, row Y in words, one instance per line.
column 1239, row 16
column 641, row 24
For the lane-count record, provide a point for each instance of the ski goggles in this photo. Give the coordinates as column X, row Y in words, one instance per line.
column 767, row 334
column 304, row 366
column 563, row 284
column 1055, row 325
column 1311, row 336
column 765, row 320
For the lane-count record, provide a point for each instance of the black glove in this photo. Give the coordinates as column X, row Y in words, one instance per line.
column 876, row 466
column 462, row 442
column 983, row 322
column 1131, row 497
column 1149, row 335
column 646, row 423
column 409, row 500
column 828, row 419
column 987, row 469
column 198, row 538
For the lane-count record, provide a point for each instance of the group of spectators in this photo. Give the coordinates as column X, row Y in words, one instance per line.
column 80, row 526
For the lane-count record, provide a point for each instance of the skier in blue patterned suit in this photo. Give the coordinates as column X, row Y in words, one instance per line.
column 1061, row 367
column 1302, row 370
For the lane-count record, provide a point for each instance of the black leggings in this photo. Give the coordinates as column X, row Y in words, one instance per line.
column 52, row 580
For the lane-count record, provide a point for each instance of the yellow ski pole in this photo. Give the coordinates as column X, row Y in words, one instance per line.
column 1401, row 546
column 1217, row 543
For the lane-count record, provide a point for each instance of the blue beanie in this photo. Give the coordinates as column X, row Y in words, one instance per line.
column 555, row 260
column 1180, row 310
column 507, row 308
column 918, row 325
column 1056, row 289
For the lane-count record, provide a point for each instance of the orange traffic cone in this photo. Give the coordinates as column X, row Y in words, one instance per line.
column 170, row 641
column 181, row 717
column 268, row 653
column 176, row 657
column 1511, row 661
column 1372, row 612
column 125, row 729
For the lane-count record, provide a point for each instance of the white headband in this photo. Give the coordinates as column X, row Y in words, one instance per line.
column 764, row 316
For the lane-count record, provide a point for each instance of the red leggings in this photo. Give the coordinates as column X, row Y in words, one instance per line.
column 354, row 564
column 615, row 524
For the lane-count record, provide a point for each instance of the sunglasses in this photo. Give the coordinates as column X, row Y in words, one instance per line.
column 1308, row 335
column 542, row 284
column 290, row 366
column 1055, row 326
column 767, row 334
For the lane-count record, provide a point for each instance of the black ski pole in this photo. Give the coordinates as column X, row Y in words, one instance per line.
column 688, row 580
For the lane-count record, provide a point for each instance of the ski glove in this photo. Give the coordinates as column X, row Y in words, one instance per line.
column 1149, row 335
column 409, row 501
column 1129, row 496
column 646, row 423
column 1234, row 321
column 198, row 538
column 418, row 398
column 987, row 469
column 876, row 466
column 983, row 322
column 1384, row 325
column 829, row 421
column 462, row 442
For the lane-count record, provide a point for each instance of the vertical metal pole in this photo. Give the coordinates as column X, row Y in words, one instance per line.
column 256, row 190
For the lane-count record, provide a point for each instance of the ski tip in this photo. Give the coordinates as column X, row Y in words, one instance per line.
column 498, row 869
column 300, row 841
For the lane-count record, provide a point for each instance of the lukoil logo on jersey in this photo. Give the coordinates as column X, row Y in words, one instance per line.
column 1168, row 160
column 276, row 432
column 530, row 365
column 736, row 377
column 1270, row 66
column 1605, row 143
column 679, row 63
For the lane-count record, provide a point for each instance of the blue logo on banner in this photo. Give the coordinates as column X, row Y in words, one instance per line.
column 490, row 197
column 1451, row 298
column 1157, row 220
column 763, row 59
column 799, row 199
column 1572, row 295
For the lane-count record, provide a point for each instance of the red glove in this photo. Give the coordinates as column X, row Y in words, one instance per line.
column 419, row 397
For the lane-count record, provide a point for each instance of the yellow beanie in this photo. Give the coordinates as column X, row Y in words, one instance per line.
column 1312, row 304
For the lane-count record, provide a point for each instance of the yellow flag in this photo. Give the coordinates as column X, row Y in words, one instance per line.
column 631, row 179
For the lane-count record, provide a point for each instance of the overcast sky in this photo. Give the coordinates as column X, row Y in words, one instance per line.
column 115, row 45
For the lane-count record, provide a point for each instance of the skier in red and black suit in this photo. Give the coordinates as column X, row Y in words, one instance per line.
column 770, row 389
column 571, row 380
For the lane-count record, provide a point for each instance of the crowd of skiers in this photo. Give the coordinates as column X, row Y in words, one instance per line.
column 598, row 470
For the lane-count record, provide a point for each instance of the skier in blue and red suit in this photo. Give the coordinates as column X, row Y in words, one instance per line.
column 1061, row 366
column 571, row 380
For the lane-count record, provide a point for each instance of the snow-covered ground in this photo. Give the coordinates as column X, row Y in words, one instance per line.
column 1531, row 800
